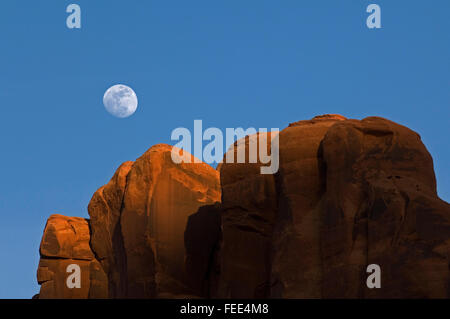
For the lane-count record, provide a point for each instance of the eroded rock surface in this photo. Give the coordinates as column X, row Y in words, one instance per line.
column 139, row 218
column 159, row 197
column 249, row 204
column 66, row 242
column 106, row 238
column 347, row 194
column 381, row 207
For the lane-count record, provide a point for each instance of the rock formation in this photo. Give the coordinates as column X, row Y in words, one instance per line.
column 348, row 193
column 66, row 242
column 138, row 221
column 381, row 207
column 249, row 209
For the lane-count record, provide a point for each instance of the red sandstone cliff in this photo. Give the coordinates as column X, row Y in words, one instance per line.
column 348, row 193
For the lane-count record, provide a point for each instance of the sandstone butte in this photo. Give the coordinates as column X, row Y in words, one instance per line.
column 348, row 193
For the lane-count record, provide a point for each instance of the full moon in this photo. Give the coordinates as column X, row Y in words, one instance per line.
column 120, row 100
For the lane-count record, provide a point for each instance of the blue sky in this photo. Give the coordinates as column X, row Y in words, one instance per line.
column 230, row 63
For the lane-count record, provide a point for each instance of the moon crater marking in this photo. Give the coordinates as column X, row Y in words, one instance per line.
column 120, row 101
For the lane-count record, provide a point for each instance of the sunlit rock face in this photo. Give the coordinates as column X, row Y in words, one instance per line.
column 134, row 245
column 139, row 219
column 347, row 194
column 159, row 197
column 106, row 237
column 66, row 242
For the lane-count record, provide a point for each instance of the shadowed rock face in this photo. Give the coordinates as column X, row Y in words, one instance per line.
column 202, row 239
column 249, row 204
column 347, row 194
column 271, row 222
column 381, row 207
column 296, row 263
